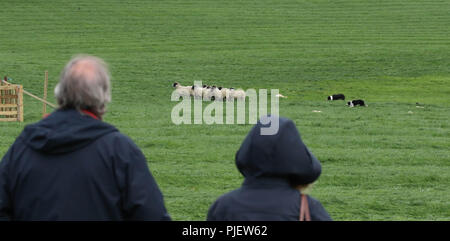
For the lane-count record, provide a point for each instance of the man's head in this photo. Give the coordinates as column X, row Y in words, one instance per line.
column 84, row 85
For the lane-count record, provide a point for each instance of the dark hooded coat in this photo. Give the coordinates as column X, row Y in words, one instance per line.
column 70, row 166
column 272, row 166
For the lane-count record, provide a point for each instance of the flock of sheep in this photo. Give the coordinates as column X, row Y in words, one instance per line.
column 208, row 93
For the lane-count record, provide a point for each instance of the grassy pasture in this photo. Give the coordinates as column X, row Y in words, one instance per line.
column 389, row 161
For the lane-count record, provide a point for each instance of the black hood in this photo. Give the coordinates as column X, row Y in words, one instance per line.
column 64, row 131
column 281, row 155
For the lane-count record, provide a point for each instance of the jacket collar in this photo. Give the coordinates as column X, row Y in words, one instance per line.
column 86, row 112
column 91, row 114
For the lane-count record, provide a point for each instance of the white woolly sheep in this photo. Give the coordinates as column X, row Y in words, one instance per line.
column 197, row 92
column 183, row 91
column 207, row 93
column 204, row 91
column 225, row 93
column 216, row 93
column 238, row 94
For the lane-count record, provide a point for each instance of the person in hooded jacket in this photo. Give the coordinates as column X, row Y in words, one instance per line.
column 73, row 166
column 275, row 167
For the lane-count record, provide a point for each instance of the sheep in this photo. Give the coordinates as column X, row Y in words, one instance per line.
column 238, row 94
column 207, row 93
column 212, row 93
column 225, row 93
column 217, row 94
column 204, row 91
column 197, row 92
column 231, row 94
column 183, row 91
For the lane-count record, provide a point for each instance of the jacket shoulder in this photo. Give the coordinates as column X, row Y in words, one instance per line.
column 118, row 138
column 118, row 146
column 220, row 209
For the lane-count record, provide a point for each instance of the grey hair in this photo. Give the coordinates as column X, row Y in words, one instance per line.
column 84, row 85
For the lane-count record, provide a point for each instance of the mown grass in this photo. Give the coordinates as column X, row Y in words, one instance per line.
column 389, row 161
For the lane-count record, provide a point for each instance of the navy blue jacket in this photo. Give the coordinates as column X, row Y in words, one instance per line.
column 70, row 166
column 272, row 166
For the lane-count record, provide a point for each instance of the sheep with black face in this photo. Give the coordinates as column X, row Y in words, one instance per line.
column 183, row 91
column 216, row 94
column 225, row 93
column 197, row 92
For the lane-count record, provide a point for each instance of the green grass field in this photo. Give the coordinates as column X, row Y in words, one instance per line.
column 389, row 161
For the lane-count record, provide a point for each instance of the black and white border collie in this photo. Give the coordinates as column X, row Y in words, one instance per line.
column 356, row 103
column 336, row 97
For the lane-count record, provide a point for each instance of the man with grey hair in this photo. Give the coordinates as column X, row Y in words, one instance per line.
column 73, row 166
column 84, row 85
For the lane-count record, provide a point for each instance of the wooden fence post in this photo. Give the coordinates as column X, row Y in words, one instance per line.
column 20, row 105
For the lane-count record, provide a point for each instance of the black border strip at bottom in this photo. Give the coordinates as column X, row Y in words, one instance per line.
column 198, row 230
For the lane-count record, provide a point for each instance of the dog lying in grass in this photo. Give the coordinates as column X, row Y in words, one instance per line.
column 353, row 103
column 336, row 97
